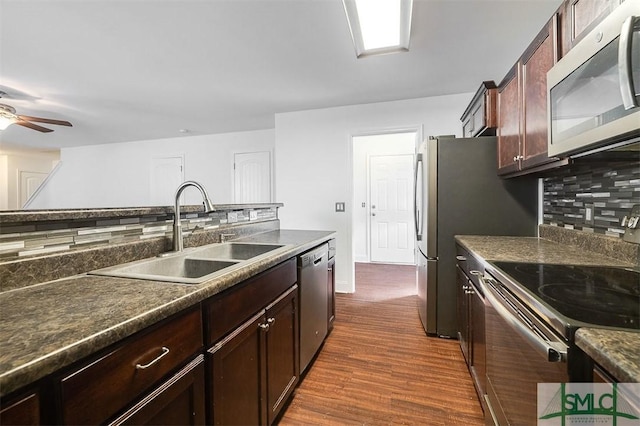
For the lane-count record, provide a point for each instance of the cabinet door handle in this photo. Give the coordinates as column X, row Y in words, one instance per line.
column 165, row 351
column 264, row 327
column 270, row 321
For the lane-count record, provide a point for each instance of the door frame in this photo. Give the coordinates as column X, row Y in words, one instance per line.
column 418, row 130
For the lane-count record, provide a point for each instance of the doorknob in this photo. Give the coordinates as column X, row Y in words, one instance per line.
column 373, row 214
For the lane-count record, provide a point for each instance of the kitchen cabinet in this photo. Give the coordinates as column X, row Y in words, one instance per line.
column 22, row 410
column 99, row 389
column 479, row 119
column 254, row 357
column 178, row 401
column 522, row 108
column 583, row 16
column 471, row 323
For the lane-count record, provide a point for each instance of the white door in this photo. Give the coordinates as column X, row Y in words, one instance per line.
column 391, row 211
column 167, row 173
column 252, row 177
column 29, row 183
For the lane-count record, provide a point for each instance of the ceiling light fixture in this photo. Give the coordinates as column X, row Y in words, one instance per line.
column 379, row 26
column 7, row 116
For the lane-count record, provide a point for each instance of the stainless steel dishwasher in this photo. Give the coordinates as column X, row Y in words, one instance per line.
column 312, row 274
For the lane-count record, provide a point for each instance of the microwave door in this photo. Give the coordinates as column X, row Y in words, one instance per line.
column 593, row 90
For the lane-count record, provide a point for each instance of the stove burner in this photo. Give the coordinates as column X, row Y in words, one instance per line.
column 598, row 295
column 596, row 299
column 534, row 269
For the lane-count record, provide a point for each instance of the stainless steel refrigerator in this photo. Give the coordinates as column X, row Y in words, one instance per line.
column 458, row 192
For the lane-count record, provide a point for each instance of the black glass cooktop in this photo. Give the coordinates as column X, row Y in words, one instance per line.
column 596, row 295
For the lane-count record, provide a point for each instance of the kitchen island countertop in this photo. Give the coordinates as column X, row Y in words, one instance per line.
column 48, row 326
column 616, row 351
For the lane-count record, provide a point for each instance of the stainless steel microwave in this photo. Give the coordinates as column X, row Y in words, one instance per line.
column 593, row 93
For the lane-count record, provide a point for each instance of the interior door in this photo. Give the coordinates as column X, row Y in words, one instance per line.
column 167, row 173
column 29, row 183
column 252, row 177
column 391, row 208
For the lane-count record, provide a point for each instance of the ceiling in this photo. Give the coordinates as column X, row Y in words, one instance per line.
column 126, row 70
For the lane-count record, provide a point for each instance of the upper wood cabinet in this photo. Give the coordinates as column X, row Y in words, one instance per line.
column 522, row 106
column 479, row 119
column 583, row 15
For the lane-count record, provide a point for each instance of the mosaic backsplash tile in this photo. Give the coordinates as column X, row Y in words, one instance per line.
column 592, row 199
column 19, row 240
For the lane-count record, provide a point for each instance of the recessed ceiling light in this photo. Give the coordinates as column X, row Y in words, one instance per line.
column 184, row 130
column 379, row 26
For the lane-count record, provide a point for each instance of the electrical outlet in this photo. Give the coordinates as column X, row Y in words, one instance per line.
column 340, row 206
column 232, row 217
column 253, row 215
column 588, row 214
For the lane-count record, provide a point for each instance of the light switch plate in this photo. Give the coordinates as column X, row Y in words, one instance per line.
column 340, row 206
column 253, row 215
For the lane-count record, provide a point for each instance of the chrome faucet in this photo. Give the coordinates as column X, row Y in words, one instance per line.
column 178, row 244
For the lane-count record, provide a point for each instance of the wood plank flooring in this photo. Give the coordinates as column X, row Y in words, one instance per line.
column 378, row 367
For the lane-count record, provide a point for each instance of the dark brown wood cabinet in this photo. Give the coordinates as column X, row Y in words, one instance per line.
column 254, row 369
column 253, row 359
column 22, row 410
column 178, row 401
column 522, row 107
column 479, row 119
column 583, row 16
column 471, row 323
column 99, row 389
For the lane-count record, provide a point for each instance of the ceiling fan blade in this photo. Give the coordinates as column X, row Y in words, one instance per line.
column 32, row 126
column 45, row 120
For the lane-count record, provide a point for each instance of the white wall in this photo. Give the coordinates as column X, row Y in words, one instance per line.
column 313, row 155
column 119, row 175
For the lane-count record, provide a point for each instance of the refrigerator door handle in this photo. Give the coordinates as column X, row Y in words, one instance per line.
column 416, row 217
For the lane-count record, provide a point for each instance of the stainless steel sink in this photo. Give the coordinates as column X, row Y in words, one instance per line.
column 192, row 266
column 236, row 251
column 178, row 269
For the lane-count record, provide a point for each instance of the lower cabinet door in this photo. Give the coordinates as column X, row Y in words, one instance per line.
column 21, row 411
column 179, row 401
column 238, row 382
column 282, row 349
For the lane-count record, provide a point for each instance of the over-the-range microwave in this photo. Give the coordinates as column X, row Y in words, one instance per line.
column 593, row 92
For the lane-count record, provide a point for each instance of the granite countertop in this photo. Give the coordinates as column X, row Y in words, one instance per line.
column 48, row 326
column 616, row 351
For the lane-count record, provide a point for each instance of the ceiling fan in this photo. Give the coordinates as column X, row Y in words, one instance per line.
column 8, row 116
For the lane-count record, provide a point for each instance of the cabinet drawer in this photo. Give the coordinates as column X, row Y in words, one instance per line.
column 97, row 391
column 228, row 310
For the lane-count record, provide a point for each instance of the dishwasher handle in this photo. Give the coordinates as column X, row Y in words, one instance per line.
column 553, row 351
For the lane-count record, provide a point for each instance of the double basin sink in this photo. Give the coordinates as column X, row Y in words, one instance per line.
column 193, row 266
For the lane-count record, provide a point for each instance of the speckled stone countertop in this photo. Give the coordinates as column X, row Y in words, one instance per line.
column 48, row 326
column 616, row 351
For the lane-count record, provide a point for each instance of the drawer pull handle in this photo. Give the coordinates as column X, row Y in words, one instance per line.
column 270, row 321
column 165, row 351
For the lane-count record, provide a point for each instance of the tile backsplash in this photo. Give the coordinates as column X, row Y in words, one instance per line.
column 592, row 198
column 30, row 238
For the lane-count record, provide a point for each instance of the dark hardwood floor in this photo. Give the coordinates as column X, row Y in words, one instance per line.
column 378, row 367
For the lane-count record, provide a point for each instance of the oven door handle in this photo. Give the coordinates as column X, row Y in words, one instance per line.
column 553, row 351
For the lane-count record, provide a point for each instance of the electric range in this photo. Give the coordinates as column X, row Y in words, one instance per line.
column 573, row 296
